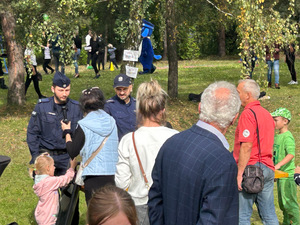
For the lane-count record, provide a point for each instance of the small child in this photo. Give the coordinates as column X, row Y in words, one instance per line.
column 284, row 153
column 112, row 55
column 47, row 58
column 46, row 188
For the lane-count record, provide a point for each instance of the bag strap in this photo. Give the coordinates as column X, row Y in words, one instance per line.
column 257, row 131
column 87, row 162
column 139, row 160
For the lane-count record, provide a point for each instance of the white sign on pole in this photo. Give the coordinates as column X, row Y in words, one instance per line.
column 131, row 55
column 131, row 71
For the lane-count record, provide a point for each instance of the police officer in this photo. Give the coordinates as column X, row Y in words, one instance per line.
column 122, row 106
column 44, row 133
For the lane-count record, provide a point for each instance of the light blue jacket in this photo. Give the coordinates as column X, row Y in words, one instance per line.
column 96, row 126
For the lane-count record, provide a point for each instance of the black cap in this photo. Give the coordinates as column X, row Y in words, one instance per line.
column 122, row 80
column 61, row 80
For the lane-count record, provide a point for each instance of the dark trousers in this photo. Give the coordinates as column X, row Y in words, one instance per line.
column 62, row 163
column 35, row 82
column 89, row 57
column 101, row 60
column 114, row 61
column 291, row 65
column 94, row 62
column 93, row 183
column 46, row 65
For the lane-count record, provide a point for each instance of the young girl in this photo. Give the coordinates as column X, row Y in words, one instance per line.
column 46, row 188
column 47, row 58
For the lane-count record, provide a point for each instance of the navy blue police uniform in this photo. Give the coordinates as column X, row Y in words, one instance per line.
column 44, row 133
column 124, row 114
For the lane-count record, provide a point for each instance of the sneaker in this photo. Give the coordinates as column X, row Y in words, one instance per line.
column 277, row 86
column 76, row 75
column 293, row 82
column 97, row 76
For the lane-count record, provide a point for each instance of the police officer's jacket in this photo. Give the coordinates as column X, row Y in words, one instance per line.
column 123, row 113
column 44, row 128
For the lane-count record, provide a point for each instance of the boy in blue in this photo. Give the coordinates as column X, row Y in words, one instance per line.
column 284, row 154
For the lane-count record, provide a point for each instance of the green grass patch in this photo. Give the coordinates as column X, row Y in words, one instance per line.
column 17, row 200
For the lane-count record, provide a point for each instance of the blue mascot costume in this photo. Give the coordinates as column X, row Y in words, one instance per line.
column 147, row 53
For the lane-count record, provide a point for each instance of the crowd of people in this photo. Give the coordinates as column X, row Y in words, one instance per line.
column 137, row 168
column 140, row 171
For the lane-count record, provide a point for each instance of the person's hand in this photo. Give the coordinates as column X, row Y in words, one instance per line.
column 65, row 126
column 297, row 170
column 239, row 182
column 277, row 167
column 73, row 163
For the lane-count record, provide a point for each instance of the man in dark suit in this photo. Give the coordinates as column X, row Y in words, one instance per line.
column 194, row 176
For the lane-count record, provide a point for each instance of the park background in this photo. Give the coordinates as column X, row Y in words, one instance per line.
column 208, row 37
column 17, row 200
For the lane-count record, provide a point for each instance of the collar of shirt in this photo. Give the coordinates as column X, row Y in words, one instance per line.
column 249, row 105
column 213, row 130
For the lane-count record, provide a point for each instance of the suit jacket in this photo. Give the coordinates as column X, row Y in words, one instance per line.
column 194, row 181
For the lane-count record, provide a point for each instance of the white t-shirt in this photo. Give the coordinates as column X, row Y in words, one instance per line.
column 32, row 56
column 148, row 142
column 47, row 53
column 87, row 40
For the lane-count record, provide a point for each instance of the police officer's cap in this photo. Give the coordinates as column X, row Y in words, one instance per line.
column 61, row 80
column 122, row 80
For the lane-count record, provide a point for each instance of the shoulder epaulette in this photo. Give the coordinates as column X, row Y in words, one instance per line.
column 43, row 100
column 133, row 99
column 110, row 101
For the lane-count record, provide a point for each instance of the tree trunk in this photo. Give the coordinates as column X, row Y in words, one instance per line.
column 16, row 91
column 172, row 49
column 164, row 56
column 222, row 47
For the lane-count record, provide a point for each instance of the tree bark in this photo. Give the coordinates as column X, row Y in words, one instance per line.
column 172, row 49
column 164, row 56
column 16, row 91
column 222, row 38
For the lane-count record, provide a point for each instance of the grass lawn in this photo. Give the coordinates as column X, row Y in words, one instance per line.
column 17, row 200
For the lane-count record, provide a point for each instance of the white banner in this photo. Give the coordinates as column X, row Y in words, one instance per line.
column 131, row 71
column 131, row 55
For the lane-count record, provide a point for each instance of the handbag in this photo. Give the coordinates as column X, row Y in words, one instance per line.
column 253, row 177
column 79, row 180
column 140, row 163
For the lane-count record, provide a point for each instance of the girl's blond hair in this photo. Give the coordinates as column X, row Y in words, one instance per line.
column 41, row 163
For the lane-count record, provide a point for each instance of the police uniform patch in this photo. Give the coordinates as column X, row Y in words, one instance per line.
column 246, row 133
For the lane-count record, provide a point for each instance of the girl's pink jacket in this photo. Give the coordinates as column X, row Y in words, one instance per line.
column 46, row 188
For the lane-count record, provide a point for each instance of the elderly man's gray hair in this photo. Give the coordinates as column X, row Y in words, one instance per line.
column 220, row 102
column 252, row 87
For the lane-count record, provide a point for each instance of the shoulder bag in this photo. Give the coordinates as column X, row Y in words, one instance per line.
column 79, row 179
column 253, row 177
column 140, row 163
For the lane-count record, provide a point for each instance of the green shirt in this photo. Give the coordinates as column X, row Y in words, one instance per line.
column 284, row 144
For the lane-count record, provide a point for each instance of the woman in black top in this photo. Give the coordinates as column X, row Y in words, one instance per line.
column 95, row 50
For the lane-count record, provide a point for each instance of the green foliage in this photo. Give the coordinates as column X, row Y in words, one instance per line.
column 17, row 200
column 261, row 25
